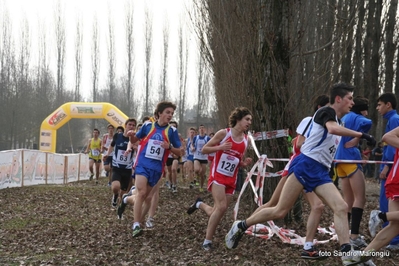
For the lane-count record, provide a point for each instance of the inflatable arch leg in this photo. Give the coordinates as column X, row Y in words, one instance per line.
column 67, row 111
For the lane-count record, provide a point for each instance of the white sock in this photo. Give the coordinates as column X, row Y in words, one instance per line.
column 125, row 200
column 308, row 245
column 136, row 224
column 206, row 241
column 198, row 204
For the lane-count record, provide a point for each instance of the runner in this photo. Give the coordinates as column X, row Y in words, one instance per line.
column 310, row 171
column 158, row 140
column 351, row 174
column 122, row 162
column 94, row 150
column 229, row 146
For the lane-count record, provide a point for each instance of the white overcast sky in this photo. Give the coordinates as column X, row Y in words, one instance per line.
column 43, row 11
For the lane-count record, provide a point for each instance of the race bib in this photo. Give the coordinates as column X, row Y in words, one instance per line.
column 199, row 149
column 121, row 159
column 227, row 165
column 154, row 150
column 95, row 152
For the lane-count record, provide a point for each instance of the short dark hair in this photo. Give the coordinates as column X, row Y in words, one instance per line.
column 340, row 89
column 388, row 97
column 96, row 130
column 361, row 104
column 131, row 120
column 237, row 114
column 121, row 128
column 145, row 118
column 161, row 106
column 174, row 122
column 320, row 101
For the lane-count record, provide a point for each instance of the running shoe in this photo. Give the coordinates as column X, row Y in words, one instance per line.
column 358, row 243
column 374, row 222
column 91, row 177
column 312, row 254
column 114, row 203
column 174, row 189
column 368, row 263
column 150, row 222
column 207, row 247
column 192, row 184
column 233, row 236
column 193, row 207
column 137, row 231
column 354, row 257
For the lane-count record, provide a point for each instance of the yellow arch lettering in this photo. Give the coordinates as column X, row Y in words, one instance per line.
column 67, row 111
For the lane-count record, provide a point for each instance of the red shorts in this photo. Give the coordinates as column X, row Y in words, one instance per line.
column 228, row 182
column 392, row 191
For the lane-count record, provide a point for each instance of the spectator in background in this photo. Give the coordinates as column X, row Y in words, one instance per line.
column 377, row 156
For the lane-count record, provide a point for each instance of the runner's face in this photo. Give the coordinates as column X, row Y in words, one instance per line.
column 110, row 130
column 382, row 107
column 347, row 102
column 245, row 122
column 130, row 126
column 166, row 115
column 95, row 133
column 202, row 130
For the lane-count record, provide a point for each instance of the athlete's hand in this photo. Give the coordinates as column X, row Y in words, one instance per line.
column 248, row 161
column 370, row 139
column 131, row 133
column 127, row 152
column 226, row 146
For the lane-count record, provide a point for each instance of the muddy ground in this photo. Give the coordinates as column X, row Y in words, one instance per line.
column 73, row 224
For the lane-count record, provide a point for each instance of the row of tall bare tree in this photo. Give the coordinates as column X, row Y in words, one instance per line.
column 276, row 56
column 30, row 91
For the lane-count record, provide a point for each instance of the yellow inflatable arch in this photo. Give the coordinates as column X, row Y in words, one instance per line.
column 67, row 111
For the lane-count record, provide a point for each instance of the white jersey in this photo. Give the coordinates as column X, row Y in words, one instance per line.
column 107, row 139
column 321, row 145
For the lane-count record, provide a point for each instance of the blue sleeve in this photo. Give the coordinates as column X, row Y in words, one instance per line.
column 144, row 130
column 174, row 138
column 364, row 124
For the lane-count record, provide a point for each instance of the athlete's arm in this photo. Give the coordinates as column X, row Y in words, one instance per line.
column 213, row 145
column 392, row 138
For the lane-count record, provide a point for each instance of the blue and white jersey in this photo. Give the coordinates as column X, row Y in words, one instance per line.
column 199, row 143
column 320, row 145
column 120, row 161
column 188, row 148
column 355, row 122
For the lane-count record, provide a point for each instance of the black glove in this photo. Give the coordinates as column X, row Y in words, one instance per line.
column 370, row 139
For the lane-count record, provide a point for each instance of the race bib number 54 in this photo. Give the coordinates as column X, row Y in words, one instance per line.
column 227, row 165
column 154, row 150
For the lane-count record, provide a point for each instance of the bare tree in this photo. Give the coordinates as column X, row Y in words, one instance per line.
column 60, row 49
column 78, row 58
column 95, row 63
column 111, row 59
column 95, row 58
column 182, row 64
column 164, row 92
column 129, row 26
column 148, row 48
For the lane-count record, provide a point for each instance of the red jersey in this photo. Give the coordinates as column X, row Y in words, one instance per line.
column 226, row 163
column 392, row 181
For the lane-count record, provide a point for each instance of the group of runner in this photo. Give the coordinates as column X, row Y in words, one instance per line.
column 333, row 132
